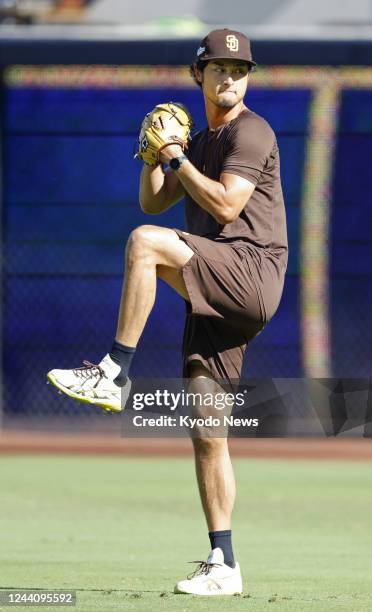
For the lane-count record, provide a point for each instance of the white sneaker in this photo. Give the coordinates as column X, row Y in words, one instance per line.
column 93, row 384
column 212, row 577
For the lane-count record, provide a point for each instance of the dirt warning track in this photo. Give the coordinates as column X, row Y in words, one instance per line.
column 23, row 442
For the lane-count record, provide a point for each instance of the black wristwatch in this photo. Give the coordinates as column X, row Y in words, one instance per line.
column 177, row 162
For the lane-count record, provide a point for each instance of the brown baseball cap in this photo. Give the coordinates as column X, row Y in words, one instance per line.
column 225, row 44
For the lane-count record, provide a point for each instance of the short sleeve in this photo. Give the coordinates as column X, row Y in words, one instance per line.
column 248, row 148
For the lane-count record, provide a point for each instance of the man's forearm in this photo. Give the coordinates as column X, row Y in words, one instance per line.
column 152, row 189
column 209, row 194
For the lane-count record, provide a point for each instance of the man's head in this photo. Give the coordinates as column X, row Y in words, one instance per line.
column 222, row 65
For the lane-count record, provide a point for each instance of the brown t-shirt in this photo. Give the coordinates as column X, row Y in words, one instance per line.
column 247, row 147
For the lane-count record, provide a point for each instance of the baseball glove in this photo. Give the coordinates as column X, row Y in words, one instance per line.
column 167, row 124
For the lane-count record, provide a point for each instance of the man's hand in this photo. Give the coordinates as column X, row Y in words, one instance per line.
column 169, row 152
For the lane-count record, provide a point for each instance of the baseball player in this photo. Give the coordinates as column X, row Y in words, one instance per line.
column 229, row 268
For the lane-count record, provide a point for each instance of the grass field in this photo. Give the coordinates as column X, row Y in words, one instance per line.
column 119, row 531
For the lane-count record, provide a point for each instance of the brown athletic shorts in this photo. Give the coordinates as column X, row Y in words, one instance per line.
column 225, row 312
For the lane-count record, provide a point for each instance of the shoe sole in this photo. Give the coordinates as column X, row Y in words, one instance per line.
column 215, row 594
column 108, row 407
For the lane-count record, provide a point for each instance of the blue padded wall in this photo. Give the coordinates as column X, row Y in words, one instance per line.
column 351, row 244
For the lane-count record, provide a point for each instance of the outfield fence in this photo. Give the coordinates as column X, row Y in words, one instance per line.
column 70, row 200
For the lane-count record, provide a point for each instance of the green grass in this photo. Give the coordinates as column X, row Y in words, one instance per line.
column 120, row 531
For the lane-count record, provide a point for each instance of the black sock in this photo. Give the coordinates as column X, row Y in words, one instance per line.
column 222, row 540
column 122, row 355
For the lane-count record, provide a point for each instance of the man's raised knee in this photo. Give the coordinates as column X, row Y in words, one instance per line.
column 141, row 243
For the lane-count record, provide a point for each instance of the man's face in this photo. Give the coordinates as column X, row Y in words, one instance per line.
column 225, row 82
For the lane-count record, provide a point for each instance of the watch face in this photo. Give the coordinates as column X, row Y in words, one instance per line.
column 174, row 163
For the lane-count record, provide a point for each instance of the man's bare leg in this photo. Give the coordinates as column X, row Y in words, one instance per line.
column 151, row 251
column 214, row 470
column 215, row 480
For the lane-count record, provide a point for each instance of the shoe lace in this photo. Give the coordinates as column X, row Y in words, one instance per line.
column 203, row 568
column 90, row 370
